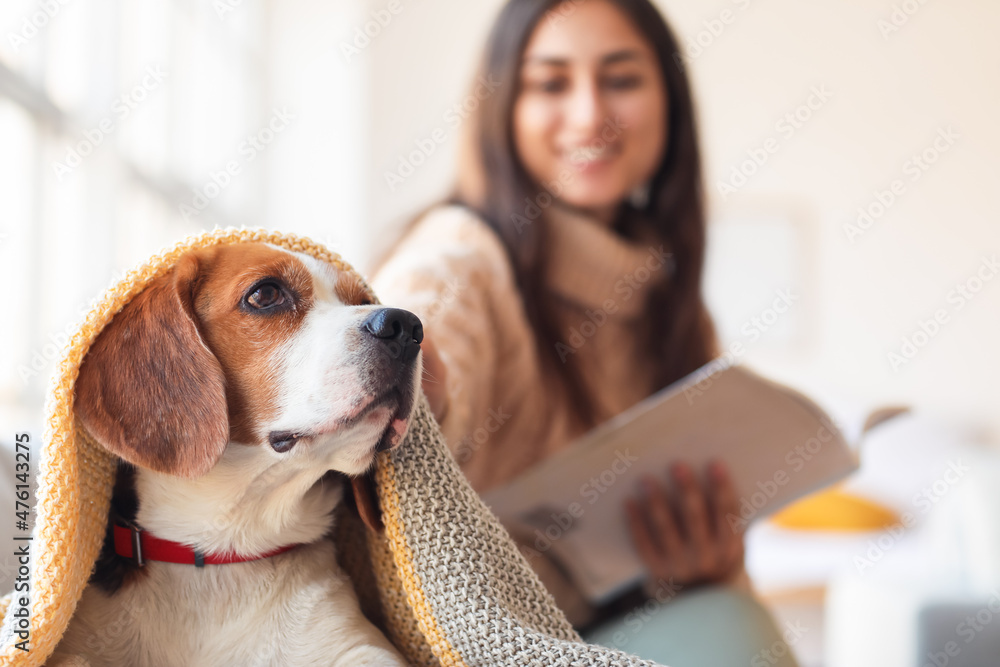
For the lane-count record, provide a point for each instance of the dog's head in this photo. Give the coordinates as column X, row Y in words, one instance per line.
column 247, row 357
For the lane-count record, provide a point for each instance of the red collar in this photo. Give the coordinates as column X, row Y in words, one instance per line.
column 140, row 546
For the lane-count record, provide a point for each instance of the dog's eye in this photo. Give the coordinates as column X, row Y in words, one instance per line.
column 264, row 296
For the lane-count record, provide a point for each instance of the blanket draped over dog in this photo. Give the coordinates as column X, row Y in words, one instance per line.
column 444, row 580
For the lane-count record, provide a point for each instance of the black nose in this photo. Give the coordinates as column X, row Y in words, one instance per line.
column 400, row 330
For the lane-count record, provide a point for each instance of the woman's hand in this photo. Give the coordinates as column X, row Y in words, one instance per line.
column 686, row 535
column 434, row 375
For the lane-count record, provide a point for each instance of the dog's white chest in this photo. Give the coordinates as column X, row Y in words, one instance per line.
column 293, row 609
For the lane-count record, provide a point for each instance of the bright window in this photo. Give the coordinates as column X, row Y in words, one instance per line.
column 113, row 115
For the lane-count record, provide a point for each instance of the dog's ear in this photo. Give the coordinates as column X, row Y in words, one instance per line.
column 366, row 501
column 149, row 389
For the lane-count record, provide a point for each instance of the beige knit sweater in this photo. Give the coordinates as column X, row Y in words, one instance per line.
column 506, row 412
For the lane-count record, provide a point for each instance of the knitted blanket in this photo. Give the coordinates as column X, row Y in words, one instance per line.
column 444, row 581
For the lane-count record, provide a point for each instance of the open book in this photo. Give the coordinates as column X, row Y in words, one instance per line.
column 777, row 444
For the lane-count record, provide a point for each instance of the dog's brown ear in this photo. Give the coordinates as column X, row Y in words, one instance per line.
column 366, row 501
column 149, row 389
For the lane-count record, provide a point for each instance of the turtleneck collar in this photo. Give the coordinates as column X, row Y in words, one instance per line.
column 590, row 264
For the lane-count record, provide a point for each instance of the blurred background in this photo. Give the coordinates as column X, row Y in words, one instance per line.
column 851, row 154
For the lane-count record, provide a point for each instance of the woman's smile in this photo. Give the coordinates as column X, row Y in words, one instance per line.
column 591, row 156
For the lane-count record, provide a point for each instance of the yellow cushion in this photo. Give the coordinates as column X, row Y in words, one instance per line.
column 833, row 509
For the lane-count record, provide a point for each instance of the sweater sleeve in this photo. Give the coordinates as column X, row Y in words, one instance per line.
column 452, row 271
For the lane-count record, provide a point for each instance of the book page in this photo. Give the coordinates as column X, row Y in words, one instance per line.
column 777, row 444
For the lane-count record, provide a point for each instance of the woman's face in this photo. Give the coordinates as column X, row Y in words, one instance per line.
column 589, row 118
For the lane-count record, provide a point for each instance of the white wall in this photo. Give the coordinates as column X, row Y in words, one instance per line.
column 422, row 68
column 889, row 96
column 316, row 172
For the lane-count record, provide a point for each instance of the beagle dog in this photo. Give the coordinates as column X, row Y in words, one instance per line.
column 231, row 387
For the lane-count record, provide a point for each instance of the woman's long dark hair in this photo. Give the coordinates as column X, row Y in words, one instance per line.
column 494, row 183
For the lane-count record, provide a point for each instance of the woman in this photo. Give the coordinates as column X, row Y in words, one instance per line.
column 563, row 285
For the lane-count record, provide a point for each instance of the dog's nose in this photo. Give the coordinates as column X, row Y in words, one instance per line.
column 399, row 329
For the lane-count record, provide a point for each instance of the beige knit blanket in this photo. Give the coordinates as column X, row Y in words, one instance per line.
column 444, row 581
